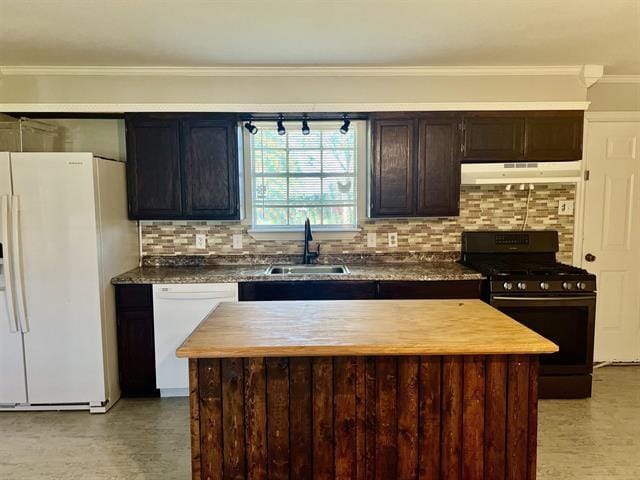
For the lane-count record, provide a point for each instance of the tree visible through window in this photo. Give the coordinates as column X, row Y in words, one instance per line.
column 296, row 176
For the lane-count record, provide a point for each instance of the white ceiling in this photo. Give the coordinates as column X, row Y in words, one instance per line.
column 321, row 32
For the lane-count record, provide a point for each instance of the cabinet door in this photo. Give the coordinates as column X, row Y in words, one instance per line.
column 136, row 353
column 553, row 137
column 153, row 168
column 210, row 169
column 438, row 167
column 394, row 168
column 493, row 138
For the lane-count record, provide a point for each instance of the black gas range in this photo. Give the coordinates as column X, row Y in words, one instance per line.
column 525, row 281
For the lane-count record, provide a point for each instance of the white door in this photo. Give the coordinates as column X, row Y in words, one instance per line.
column 12, row 380
column 59, row 256
column 177, row 311
column 611, row 245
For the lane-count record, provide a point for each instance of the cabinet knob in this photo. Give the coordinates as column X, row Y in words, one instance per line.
column 589, row 257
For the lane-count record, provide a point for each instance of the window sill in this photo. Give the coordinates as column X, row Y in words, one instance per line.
column 298, row 234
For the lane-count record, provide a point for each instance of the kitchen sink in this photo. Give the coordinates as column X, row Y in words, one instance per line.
column 307, row 270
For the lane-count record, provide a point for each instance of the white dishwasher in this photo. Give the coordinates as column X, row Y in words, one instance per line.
column 177, row 310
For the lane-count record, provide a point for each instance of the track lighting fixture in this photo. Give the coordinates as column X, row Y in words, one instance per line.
column 344, row 129
column 305, row 126
column 280, row 124
column 251, row 128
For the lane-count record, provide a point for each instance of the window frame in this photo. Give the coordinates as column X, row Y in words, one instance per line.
column 360, row 129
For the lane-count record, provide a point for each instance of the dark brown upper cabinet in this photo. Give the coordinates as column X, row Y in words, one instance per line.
column 394, row 167
column 415, row 165
column 438, row 167
column 555, row 137
column 210, row 169
column 522, row 136
column 182, row 167
column 493, row 137
column 153, row 168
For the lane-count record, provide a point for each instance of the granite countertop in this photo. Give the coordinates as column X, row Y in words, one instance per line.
column 246, row 273
column 310, row 328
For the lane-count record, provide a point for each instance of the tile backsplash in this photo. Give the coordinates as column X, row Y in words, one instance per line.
column 481, row 207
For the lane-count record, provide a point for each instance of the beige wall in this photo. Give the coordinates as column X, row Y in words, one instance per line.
column 614, row 97
column 287, row 90
column 105, row 137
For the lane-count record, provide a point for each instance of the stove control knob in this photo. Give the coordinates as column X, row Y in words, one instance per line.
column 581, row 285
column 507, row 285
column 522, row 286
column 544, row 286
column 567, row 285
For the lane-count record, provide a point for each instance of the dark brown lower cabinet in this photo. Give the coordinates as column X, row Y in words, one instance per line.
column 375, row 417
column 398, row 290
column 136, row 350
column 307, row 290
column 358, row 290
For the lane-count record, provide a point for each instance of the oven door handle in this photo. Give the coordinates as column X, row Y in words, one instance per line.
column 545, row 299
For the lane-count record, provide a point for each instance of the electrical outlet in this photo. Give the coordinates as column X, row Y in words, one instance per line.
column 565, row 207
column 201, row 240
column 393, row 239
column 237, row 240
column 372, row 240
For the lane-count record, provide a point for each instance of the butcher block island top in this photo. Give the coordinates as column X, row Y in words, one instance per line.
column 360, row 327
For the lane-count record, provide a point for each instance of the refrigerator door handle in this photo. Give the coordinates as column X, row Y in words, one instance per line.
column 17, row 264
column 8, row 274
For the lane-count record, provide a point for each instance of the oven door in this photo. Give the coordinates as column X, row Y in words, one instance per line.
column 568, row 321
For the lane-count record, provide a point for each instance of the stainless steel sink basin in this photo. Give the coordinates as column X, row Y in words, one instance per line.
column 307, row 270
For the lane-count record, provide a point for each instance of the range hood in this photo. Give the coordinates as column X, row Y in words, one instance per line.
column 521, row 172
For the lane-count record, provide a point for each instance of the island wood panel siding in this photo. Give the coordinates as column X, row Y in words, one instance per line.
column 365, row 418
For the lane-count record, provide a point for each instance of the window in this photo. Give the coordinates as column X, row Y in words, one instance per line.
column 295, row 176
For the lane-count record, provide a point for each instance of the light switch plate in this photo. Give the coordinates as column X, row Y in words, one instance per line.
column 393, row 239
column 201, row 240
column 237, row 240
column 372, row 241
column 565, row 207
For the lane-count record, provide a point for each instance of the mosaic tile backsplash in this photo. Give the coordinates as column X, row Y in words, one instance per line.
column 481, row 208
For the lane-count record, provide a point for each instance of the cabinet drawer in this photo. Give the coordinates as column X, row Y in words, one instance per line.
column 307, row 290
column 442, row 289
column 133, row 297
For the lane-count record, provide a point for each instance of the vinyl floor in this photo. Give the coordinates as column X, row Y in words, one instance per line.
column 598, row 438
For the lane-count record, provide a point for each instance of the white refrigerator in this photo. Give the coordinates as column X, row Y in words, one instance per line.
column 64, row 234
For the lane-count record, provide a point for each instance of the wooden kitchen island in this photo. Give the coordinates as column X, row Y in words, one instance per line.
column 396, row 389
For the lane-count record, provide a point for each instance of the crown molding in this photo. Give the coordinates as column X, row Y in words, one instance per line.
column 590, row 74
column 299, row 71
column 287, row 108
column 620, row 79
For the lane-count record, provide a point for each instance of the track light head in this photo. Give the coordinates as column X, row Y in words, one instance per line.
column 305, row 126
column 251, row 128
column 344, row 129
column 280, row 124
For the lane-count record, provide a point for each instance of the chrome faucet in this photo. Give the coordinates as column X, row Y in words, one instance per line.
column 308, row 256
